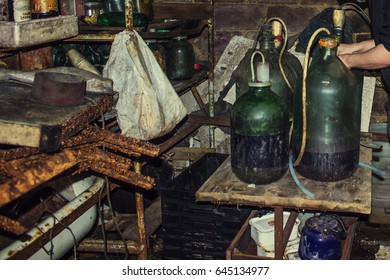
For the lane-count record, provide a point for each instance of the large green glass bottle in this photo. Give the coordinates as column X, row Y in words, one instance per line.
column 259, row 134
column 333, row 106
column 292, row 68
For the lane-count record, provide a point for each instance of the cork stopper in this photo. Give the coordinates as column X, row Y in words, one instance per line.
column 328, row 43
column 276, row 28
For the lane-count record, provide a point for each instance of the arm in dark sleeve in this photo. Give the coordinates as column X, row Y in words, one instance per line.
column 384, row 29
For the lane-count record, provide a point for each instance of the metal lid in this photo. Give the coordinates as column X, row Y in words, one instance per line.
column 320, row 222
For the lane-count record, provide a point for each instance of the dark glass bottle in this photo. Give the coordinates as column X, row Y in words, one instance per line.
column 44, row 9
column 118, row 19
column 293, row 70
column 333, row 106
column 339, row 19
column 180, row 59
column 259, row 135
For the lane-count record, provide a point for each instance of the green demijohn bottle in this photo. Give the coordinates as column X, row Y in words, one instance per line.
column 259, row 131
column 333, row 108
column 292, row 67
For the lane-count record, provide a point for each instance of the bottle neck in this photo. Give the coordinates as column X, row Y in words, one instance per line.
column 328, row 52
column 339, row 35
column 259, row 88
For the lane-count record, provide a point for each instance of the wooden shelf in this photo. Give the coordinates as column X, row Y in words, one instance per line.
column 200, row 12
column 38, row 31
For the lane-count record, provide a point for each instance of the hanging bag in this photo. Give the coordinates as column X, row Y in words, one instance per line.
column 148, row 106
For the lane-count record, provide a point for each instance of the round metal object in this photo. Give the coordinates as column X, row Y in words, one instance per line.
column 58, row 89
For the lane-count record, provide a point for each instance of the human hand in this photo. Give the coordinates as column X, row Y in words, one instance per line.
column 345, row 49
column 344, row 58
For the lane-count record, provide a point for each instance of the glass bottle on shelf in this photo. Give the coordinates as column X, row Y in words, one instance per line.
column 118, row 19
column 180, row 59
column 44, row 9
column 19, row 10
column 144, row 7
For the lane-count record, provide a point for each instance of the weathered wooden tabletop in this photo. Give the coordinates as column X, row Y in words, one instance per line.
column 26, row 122
column 350, row 195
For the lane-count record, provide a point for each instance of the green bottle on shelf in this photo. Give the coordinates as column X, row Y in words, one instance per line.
column 117, row 19
column 259, row 132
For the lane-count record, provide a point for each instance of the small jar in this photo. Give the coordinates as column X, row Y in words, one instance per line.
column 180, row 59
column 92, row 9
column 44, row 9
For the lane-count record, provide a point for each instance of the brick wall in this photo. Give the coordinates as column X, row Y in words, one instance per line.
column 244, row 17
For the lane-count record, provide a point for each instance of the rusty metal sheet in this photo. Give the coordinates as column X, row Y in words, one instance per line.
column 34, row 177
column 13, row 226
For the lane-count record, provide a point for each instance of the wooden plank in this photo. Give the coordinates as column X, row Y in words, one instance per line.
column 19, row 134
column 182, row 133
column 186, row 153
column 350, row 195
column 153, row 219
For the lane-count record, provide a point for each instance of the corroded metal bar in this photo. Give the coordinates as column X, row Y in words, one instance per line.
column 129, row 15
column 17, row 166
column 278, row 218
column 95, row 155
column 113, row 246
column 95, row 136
column 118, row 148
column 124, row 176
column 139, row 204
column 211, row 94
column 127, row 142
column 36, row 176
column 288, row 227
column 29, row 173
column 16, row 153
column 12, row 226
column 86, row 136
column 80, row 120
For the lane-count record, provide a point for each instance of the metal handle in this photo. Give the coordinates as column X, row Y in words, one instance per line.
column 343, row 234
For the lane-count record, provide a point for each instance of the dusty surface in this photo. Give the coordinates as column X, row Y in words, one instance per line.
column 371, row 242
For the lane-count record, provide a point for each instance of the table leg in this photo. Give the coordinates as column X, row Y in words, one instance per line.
column 279, row 250
column 139, row 203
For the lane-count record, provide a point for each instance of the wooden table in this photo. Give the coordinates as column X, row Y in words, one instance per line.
column 352, row 195
column 27, row 122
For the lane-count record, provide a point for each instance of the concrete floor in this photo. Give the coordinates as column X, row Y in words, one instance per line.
column 371, row 242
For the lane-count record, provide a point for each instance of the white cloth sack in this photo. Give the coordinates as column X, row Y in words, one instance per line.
column 148, row 106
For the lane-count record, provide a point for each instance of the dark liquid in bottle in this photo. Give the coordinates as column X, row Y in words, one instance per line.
column 328, row 167
column 259, row 159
